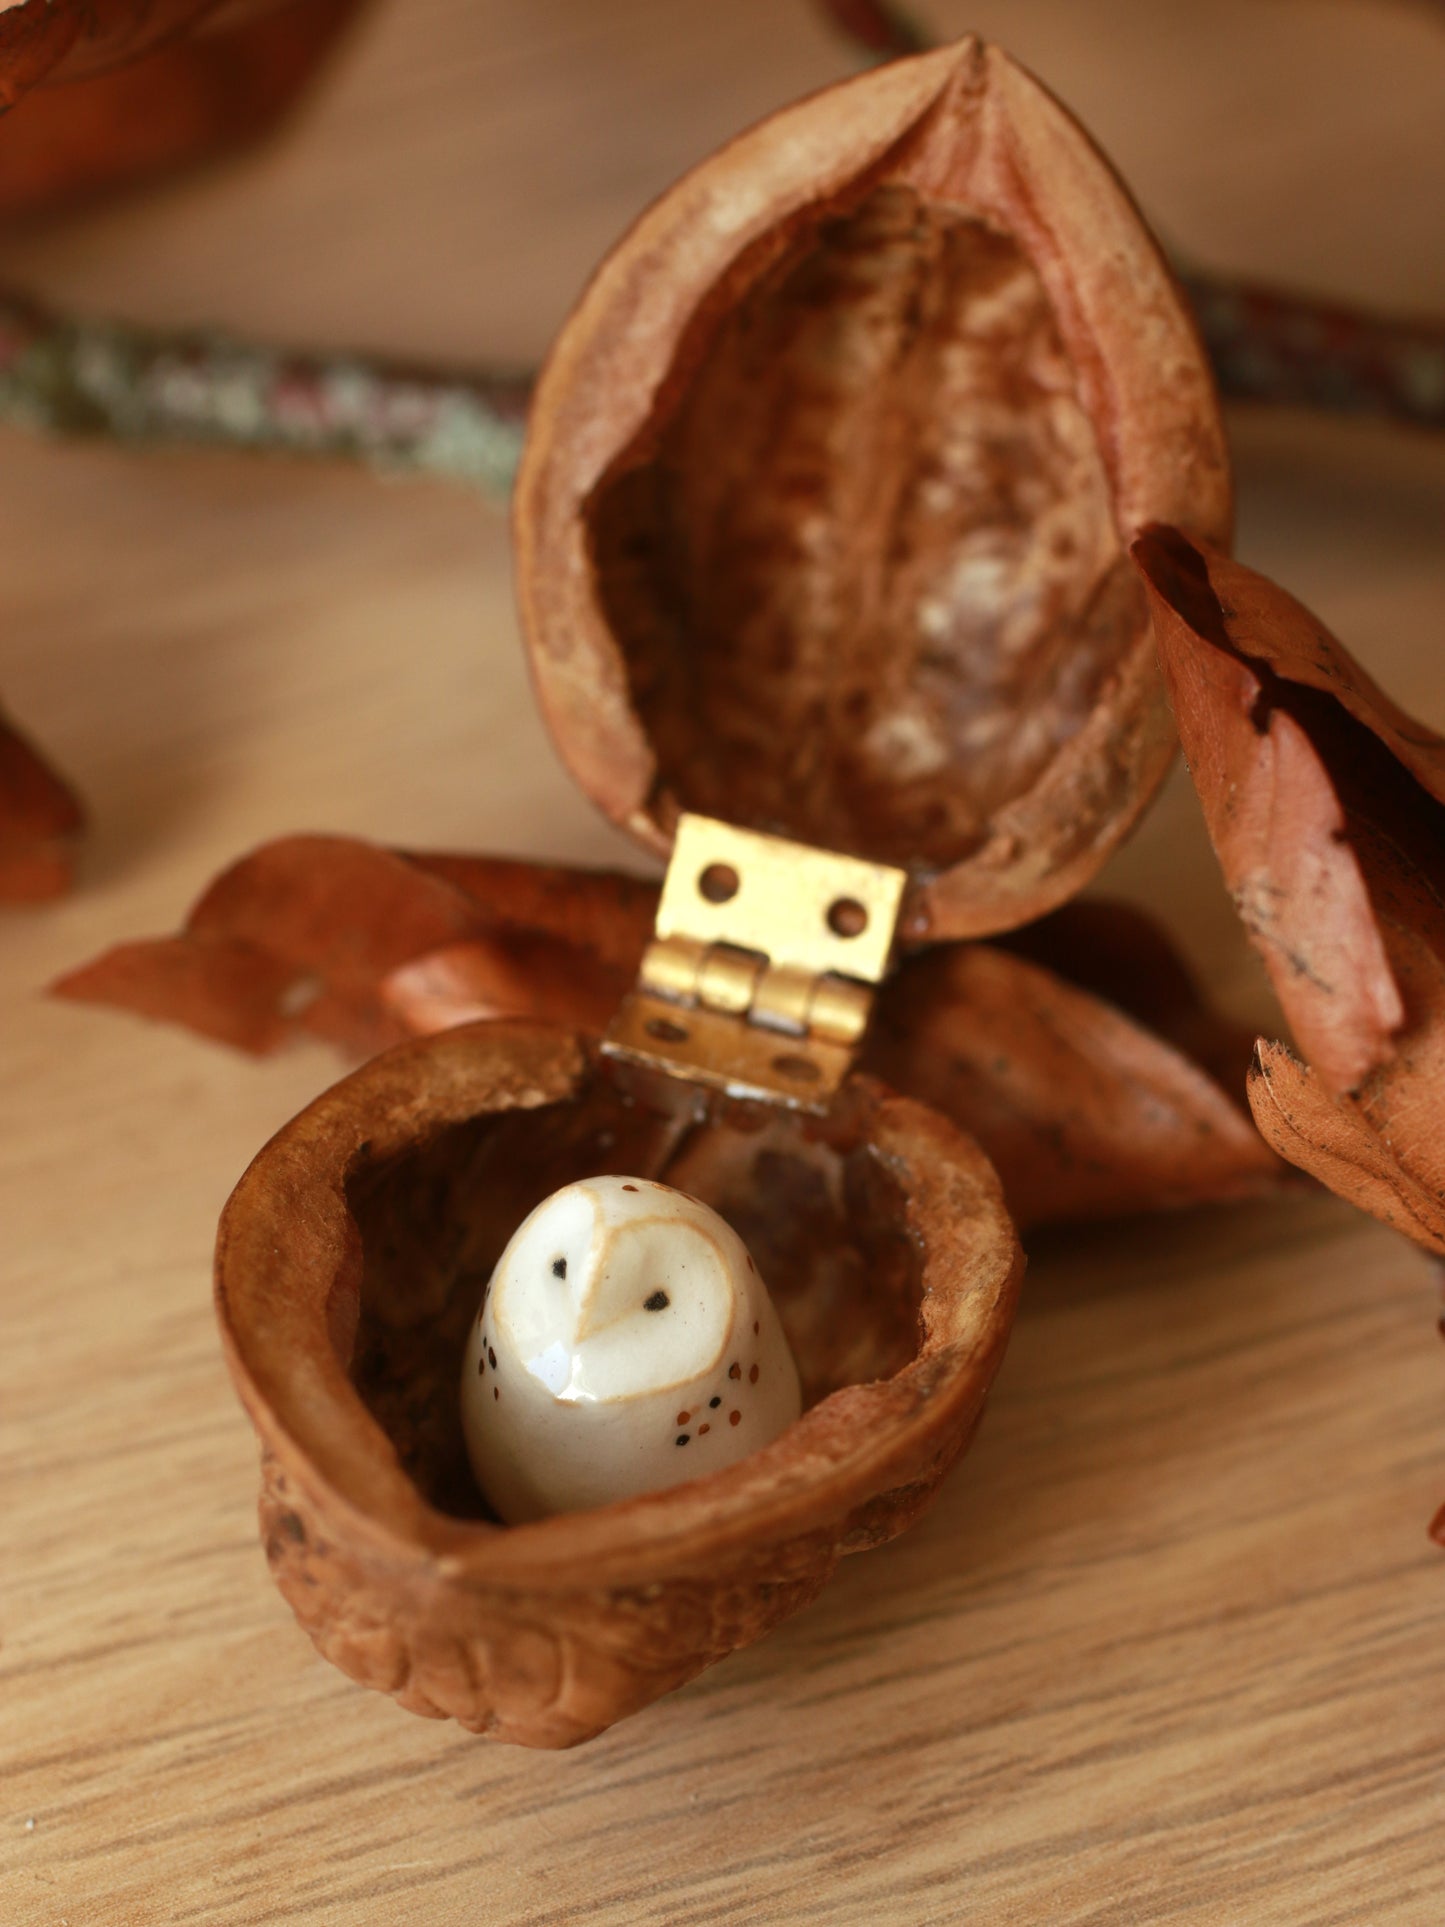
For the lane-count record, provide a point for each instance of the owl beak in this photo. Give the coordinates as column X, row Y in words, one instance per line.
column 588, row 1317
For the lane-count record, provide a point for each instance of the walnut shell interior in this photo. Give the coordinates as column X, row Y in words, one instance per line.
column 824, row 517
column 353, row 1255
column 823, row 1219
column 865, row 577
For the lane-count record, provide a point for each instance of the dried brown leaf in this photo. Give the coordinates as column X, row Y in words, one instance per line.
column 1327, row 1138
column 40, row 819
column 1323, row 800
column 1083, row 1112
column 97, row 94
column 363, row 946
column 1119, row 953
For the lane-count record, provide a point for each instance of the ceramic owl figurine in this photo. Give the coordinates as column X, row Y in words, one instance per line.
column 625, row 1343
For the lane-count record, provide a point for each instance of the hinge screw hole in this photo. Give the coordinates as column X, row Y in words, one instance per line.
column 666, row 1033
column 802, row 1070
column 718, row 883
column 847, row 917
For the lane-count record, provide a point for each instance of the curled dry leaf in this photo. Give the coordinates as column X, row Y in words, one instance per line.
column 1097, row 1078
column 342, row 940
column 1119, row 953
column 1324, row 803
column 100, row 93
column 1084, row 1109
column 1083, row 1112
column 40, row 819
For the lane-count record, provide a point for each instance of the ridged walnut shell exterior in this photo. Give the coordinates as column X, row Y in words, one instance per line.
column 352, row 1256
column 823, row 520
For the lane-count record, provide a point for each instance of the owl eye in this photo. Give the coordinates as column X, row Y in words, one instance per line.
column 559, row 1267
column 659, row 1301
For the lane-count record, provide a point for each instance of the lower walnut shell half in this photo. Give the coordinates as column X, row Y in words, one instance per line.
column 352, row 1257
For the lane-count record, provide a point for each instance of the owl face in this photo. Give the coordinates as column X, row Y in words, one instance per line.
column 625, row 1343
column 616, row 1288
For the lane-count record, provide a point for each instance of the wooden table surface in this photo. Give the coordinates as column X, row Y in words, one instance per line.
column 1169, row 1647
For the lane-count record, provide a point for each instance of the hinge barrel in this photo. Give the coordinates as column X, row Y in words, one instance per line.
column 760, row 977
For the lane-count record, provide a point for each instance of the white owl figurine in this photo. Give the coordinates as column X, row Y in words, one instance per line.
column 625, row 1343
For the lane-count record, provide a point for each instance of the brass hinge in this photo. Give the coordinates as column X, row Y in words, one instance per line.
column 759, row 976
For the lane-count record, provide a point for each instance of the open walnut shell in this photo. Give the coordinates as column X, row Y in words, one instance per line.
column 823, row 521
column 352, row 1257
column 98, row 94
column 823, row 529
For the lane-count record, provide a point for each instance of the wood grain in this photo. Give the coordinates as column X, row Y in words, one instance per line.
column 1168, row 1648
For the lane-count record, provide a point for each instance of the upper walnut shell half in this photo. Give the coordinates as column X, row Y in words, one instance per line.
column 823, row 520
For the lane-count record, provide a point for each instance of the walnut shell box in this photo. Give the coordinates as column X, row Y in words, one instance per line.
column 822, row 529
